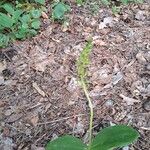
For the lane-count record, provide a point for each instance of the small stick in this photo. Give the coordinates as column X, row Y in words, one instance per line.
column 61, row 119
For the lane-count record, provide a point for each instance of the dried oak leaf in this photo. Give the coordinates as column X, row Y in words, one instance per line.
column 40, row 59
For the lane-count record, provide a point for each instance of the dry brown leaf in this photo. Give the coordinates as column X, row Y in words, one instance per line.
column 2, row 103
column 128, row 100
column 41, row 92
column 44, row 15
column 34, row 120
column 40, row 59
column 13, row 118
column 98, row 42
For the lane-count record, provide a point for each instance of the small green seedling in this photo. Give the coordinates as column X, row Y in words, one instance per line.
column 108, row 138
column 80, row 2
column 59, row 10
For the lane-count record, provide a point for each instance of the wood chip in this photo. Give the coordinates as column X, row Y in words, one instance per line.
column 41, row 92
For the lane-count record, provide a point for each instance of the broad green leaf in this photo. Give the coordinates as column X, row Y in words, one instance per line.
column 36, row 13
column 113, row 137
column 79, row 2
column 1, row 28
column 17, row 14
column 138, row 1
column 125, row 2
column 21, row 33
column 4, row 39
column 36, row 24
column 6, row 21
column 66, row 143
column 25, row 26
column 32, row 32
column 40, row 1
column 59, row 10
column 106, row 2
column 8, row 7
column 25, row 18
column 115, row 10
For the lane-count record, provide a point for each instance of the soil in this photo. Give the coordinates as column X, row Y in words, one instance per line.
column 40, row 98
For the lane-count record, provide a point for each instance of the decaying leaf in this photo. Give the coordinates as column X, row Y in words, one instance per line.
column 40, row 59
column 128, row 100
column 34, row 120
column 108, row 21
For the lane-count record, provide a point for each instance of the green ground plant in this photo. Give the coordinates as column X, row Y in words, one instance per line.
column 19, row 20
column 108, row 138
column 59, row 10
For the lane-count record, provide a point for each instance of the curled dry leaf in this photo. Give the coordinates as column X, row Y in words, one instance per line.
column 128, row 100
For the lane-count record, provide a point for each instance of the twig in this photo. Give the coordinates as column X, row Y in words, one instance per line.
column 61, row 119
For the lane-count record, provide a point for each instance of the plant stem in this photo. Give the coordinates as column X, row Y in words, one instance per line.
column 91, row 111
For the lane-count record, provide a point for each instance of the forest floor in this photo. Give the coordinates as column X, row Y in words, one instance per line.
column 40, row 98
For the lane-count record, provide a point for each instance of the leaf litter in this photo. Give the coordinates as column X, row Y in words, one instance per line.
column 45, row 82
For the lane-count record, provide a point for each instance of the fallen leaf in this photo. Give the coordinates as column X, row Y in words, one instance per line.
column 97, row 41
column 34, row 120
column 44, row 15
column 117, row 78
column 140, row 15
column 40, row 59
column 2, row 103
column 140, row 57
column 108, row 21
column 102, row 25
column 13, row 118
column 128, row 100
column 41, row 92
column 73, row 85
